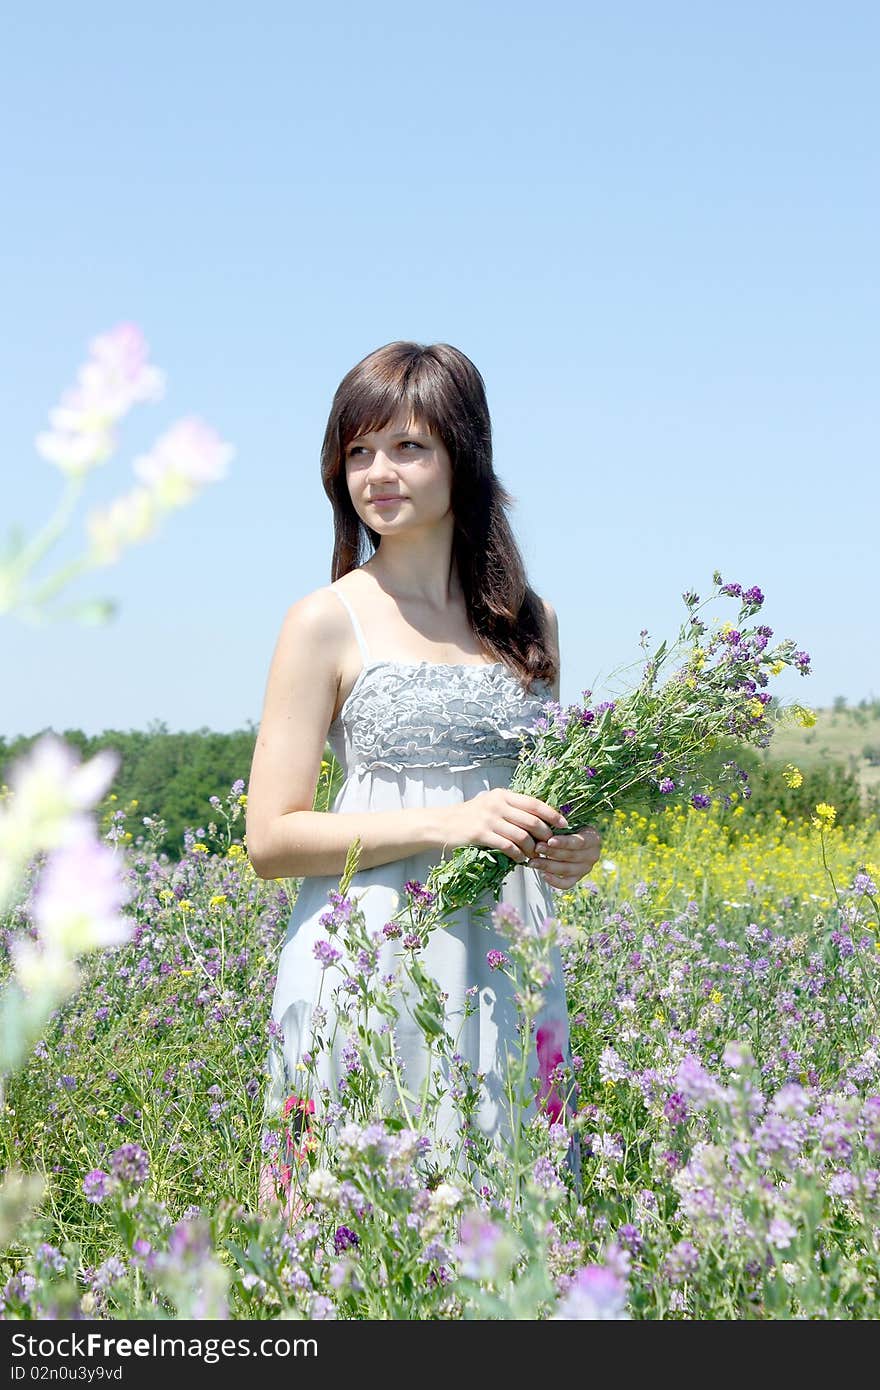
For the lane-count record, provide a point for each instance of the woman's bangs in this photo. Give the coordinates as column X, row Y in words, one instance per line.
column 371, row 409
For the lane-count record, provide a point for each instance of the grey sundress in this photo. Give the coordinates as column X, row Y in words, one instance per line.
column 422, row 733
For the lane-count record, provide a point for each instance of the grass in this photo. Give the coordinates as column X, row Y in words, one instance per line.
column 842, row 734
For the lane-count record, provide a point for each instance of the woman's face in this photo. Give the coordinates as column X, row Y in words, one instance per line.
column 399, row 477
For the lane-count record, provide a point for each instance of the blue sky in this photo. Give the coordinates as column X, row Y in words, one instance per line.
column 653, row 228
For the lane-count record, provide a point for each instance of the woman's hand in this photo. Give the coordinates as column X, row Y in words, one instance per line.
column 564, row 860
column 504, row 820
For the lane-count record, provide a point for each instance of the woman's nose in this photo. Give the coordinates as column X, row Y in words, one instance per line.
column 380, row 465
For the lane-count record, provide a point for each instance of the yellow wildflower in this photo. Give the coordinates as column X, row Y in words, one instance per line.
column 825, row 815
column 242, row 800
column 217, row 899
column 756, row 709
column 805, row 717
column 793, row 775
column 716, row 996
column 184, row 904
column 235, row 852
column 776, row 667
column 200, row 848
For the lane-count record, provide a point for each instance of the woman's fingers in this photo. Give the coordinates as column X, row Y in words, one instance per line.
column 574, row 846
column 565, row 859
column 527, row 829
column 540, row 810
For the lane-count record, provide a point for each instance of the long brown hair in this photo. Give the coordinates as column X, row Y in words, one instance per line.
column 442, row 389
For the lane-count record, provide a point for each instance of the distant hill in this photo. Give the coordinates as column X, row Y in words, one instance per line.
column 848, row 734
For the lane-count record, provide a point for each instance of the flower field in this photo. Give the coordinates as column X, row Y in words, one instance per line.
column 724, row 983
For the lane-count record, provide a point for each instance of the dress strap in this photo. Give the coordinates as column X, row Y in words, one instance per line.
column 355, row 624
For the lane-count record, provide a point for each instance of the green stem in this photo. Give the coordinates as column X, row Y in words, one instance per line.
column 37, row 547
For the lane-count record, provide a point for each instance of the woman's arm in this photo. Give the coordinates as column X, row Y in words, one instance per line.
column 286, row 838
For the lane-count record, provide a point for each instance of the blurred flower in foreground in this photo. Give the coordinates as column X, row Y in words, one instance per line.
column 116, row 376
column 77, row 908
column 80, row 889
column 595, row 1293
column 188, row 456
column 182, row 461
column 50, row 792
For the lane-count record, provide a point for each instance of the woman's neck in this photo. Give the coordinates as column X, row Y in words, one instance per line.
column 417, row 567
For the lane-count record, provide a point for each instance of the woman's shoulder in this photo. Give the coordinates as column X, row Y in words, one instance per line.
column 551, row 620
column 551, row 632
column 317, row 619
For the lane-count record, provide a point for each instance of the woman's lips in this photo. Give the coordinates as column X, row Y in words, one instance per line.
column 386, row 501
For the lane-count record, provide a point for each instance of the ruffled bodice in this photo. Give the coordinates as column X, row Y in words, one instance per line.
column 404, row 714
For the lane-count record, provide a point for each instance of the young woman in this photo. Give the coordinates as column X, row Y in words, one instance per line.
column 420, row 662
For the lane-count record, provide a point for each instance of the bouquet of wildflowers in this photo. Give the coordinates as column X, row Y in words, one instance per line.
column 647, row 748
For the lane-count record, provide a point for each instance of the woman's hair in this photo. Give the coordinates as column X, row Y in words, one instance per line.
column 442, row 390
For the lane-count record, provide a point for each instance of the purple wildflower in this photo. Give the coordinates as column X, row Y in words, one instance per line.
column 546, row 1176
column 129, row 1163
column 97, row 1185
column 495, row 959
column 630, row 1238
column 753, row 597
column 700, row 801
column 666, row 785
column 325, row 953
column 51, row 1258
column 695, row 1083
column 113, row 1268
column 351, row 1060
column 419, row 893
column 675, row 1109
column 681, row 1262
column 732, row 590
column 344, row 1239
column 412, row 941
column 802, row 662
